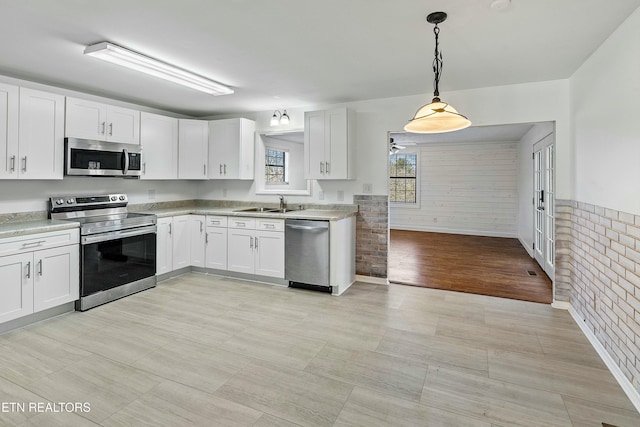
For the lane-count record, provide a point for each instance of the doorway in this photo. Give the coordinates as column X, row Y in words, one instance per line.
column 473, row 227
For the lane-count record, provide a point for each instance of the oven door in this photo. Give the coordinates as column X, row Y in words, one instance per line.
column 117, row 258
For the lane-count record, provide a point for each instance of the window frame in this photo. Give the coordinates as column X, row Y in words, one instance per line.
column 410, row 205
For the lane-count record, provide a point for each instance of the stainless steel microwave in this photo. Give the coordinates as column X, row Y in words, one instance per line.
column 85, row 157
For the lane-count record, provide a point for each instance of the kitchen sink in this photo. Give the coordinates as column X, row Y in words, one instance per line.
column 272, row 210
column 285, row 210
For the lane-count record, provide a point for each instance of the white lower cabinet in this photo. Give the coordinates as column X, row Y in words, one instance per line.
column 216, row 242
column 197, row 237
column 164, row 245
column 35, row 280
column 256, row 247
column 181, row 242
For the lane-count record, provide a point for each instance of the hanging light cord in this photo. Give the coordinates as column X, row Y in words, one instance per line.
column 437, row 63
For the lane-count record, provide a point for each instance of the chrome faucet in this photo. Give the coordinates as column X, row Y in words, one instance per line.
column 281, row 201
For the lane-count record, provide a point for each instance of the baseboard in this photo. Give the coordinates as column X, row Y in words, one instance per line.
column 342, row 289
column 561, row 305
column 626, row 385
column 486, row 233
column 526, row 247
column 373, row 280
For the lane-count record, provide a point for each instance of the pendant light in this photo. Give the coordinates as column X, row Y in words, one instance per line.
column 438, row 116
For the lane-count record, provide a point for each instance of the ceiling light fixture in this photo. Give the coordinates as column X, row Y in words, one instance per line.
column 279, row 119
column 438, row 116
column 136, row 61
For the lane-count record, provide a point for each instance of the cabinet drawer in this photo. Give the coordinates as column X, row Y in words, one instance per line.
column 34, row 242
column 270, row 224
column 216, row 221
column 246, row 223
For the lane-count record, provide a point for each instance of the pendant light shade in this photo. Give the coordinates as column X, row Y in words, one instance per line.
column 437, row 116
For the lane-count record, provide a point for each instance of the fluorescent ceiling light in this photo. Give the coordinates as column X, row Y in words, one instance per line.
column 135, row 61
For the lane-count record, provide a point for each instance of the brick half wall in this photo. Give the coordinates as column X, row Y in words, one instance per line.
column 372, row 235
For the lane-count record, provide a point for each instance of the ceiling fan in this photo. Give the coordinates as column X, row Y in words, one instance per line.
column 394, row 147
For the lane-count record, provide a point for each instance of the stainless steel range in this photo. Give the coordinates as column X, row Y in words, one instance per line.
column 118, row 247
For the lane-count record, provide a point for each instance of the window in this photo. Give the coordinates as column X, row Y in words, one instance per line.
column 403, row 178
column 276, row 166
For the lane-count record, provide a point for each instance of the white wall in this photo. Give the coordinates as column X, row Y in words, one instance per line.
column 525, row 182
column 604, row 101
column 465, row 188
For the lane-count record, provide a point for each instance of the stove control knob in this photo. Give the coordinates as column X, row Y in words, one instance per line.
column 121, row 197
column 114, row 198
column 59, row 202
column 70, row 201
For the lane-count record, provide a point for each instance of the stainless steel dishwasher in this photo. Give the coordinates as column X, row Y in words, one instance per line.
column 306, row 250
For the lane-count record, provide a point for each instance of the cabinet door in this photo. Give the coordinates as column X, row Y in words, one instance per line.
column 181, row 242
column 16, row 286
column 336, row 145
column 223, row 139
column 192, row 149
column 159, row 140
column 247, row 144
column 240, row 255
column 216, row 248
column 55, row 277
column 41, row 135
column 123, row 125
column 85, row 119
column 314, row 144
column 197, row 237
column 8, row 131
column 164, row 245
column 269, row 247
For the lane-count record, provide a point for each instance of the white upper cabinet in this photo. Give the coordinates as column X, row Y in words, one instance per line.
column 329, row 144
column 93, row 120
column 159, row 141
column 8, row 131
column 40, row 135
column 231, row 149
column 192, row 149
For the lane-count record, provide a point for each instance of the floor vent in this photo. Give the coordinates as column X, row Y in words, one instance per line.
column 532, row 273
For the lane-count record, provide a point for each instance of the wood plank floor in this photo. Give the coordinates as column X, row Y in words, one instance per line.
column 481, row 265
column 208, row 351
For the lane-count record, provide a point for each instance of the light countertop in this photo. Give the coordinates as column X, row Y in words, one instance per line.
column 22, row 228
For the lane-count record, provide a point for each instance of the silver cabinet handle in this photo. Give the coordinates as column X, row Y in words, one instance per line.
column 13, row 163
column 251, row 242
column 270, row 226
column 144, row 168
column 326, row 167
column 201, row 226
column 220, row 168
column 29, row 270
column 225, row 168
column 24, row 164
column 206, row 238
column 321, row 167
column 204, row 170
column 256, row 243
column 110, row 129
column 28, row 244
column 103, row 127
column 40, row 267
column 170, row 228
column 241, row 224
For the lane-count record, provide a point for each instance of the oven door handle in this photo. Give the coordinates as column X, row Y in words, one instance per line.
column 114, row 235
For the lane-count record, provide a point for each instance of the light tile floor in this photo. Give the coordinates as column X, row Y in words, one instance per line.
column 203, row 350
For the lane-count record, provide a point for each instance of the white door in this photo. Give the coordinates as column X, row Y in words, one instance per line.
column 181, row 242
column 193, row 144
column 269, row 247
column 123, row 125
column 159, row 138
column 164, row 246
column 240, row 256
column 544, row 204
column 8, row 131
column 56, row 278
column 86, row 119
column 223, row 134
column 197, row 237
column 216, row 248
column 314, row 144
column 16, row 286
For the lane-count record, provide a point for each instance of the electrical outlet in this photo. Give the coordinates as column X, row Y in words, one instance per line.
column 151, row 194
column 320, row 195
column 341, row 196
column 367, row 188
column 224, row 192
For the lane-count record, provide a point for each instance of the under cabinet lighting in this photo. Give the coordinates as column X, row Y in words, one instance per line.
column 136, row 61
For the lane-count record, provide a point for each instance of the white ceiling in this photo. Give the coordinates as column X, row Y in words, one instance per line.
column 292, row 53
